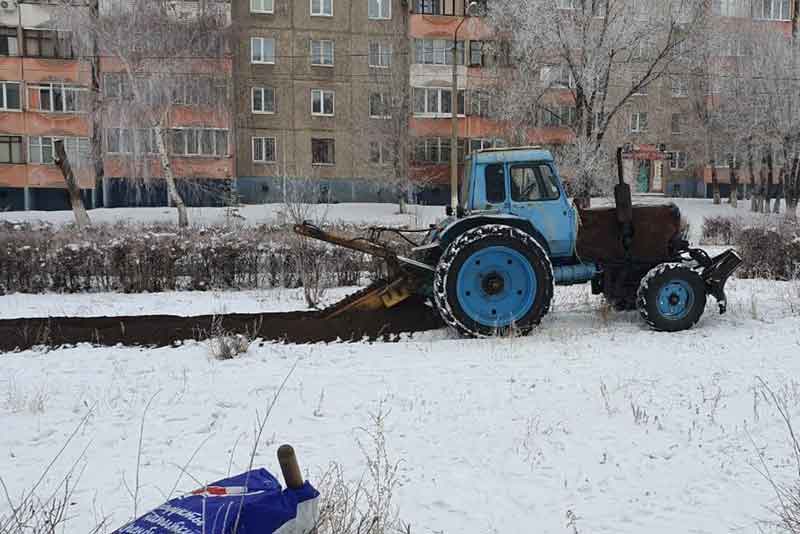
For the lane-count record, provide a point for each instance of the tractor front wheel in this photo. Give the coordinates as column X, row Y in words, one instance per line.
column 493, row 279
column 671, row 297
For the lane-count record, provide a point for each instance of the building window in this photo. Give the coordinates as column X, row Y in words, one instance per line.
column 262, row 50
column 56, row 98
column 556, row 76
column 677, row 160
column 379, row 153
column 433, row 7
column 115, row 85
column 42, row 149
column 599, row 120
column 771, row 9
column 677, row 123
column 8, row 42
column 146, row 141
column 119, row 141
column 638, row 88
column 730, row 8
column 567, row 4
column 263, row 149
column 11, row 149
column 262, row 6
column 436, row 150
column 680, row 87
column 380, row 55
column 322, row 152
column 322, row 53
column 638, row 121
column 200, row 142
column 321, row 8
column 9, row 96
column 322, row 102
column 379, row 106
column 480, row 104
column 263, row 100
column 188, row 90
column 559, row 116
column 436, row 101
column 47, row 43
column 476, row 53
column 127, row 141
column 380, row 9
column 437, row 52
column 479, row 144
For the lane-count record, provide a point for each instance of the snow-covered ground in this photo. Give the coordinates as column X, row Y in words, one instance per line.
column 592, row 424
column 181, row 303
column 357, row 213
column 592, row 417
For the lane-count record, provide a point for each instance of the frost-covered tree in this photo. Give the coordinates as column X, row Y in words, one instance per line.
column 155, row 56
column 580, row 62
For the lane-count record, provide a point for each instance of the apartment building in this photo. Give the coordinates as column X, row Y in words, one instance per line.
column 311, row 81
column 46, row 95
column 43, row 97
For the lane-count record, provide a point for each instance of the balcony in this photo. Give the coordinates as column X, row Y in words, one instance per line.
column 445, row 8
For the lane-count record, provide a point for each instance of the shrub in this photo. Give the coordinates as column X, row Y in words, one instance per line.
column 770, row 251
column 720, row 230
column 135, row 259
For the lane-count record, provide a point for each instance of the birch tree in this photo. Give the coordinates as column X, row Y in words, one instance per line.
column 591, row 56
column 152, row 57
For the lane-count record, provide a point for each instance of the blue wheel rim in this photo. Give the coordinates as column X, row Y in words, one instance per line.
column 675, row 300
column 496, row 286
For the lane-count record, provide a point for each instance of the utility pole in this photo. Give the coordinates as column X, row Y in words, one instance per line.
column 454, row 114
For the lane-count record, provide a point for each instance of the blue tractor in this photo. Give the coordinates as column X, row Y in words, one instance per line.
column 491, row 266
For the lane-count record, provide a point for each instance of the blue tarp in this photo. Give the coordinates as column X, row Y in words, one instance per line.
column 254, row 499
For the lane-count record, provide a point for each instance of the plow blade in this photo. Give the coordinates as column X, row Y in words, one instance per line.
column 364, row 315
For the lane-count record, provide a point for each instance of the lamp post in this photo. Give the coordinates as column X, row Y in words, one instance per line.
column 454, row 114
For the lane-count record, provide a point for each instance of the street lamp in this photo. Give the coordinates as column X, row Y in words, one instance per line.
column 454, row 114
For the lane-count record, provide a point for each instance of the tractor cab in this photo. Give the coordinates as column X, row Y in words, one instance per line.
column 523, row 183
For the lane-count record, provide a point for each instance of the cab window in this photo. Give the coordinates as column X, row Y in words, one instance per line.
column 495, row 183
column 532, row 182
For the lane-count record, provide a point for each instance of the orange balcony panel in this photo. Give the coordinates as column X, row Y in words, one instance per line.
column 12, row 123
column 10, row 68
column 182, row 65
column 57, row 124
column 200, row 117
column 443, row 27
column 57, row 70
column 203, row 167
column 13, row 175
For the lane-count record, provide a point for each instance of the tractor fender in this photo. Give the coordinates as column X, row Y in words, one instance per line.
column 457, row 227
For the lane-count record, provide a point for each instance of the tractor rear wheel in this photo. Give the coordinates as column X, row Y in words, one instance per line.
column 493, row 279
column 671, row 297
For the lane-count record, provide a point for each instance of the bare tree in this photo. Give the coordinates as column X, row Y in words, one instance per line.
column 155, row 59
column 592, row 57
column 381, row 141
column 78, row 209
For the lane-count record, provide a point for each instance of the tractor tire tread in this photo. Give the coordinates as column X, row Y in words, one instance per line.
column 443, row 270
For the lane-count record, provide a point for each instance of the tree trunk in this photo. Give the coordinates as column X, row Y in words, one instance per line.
column 166, row 167
column 97, row 114
column 791, row 190
column 768, row 188
column 734, row 196
column 777, row 206
column 81, row 217
column 751, row 170
column 715, row 182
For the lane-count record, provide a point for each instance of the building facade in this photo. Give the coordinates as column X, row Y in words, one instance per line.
column 342, row 100
column 47, row 93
